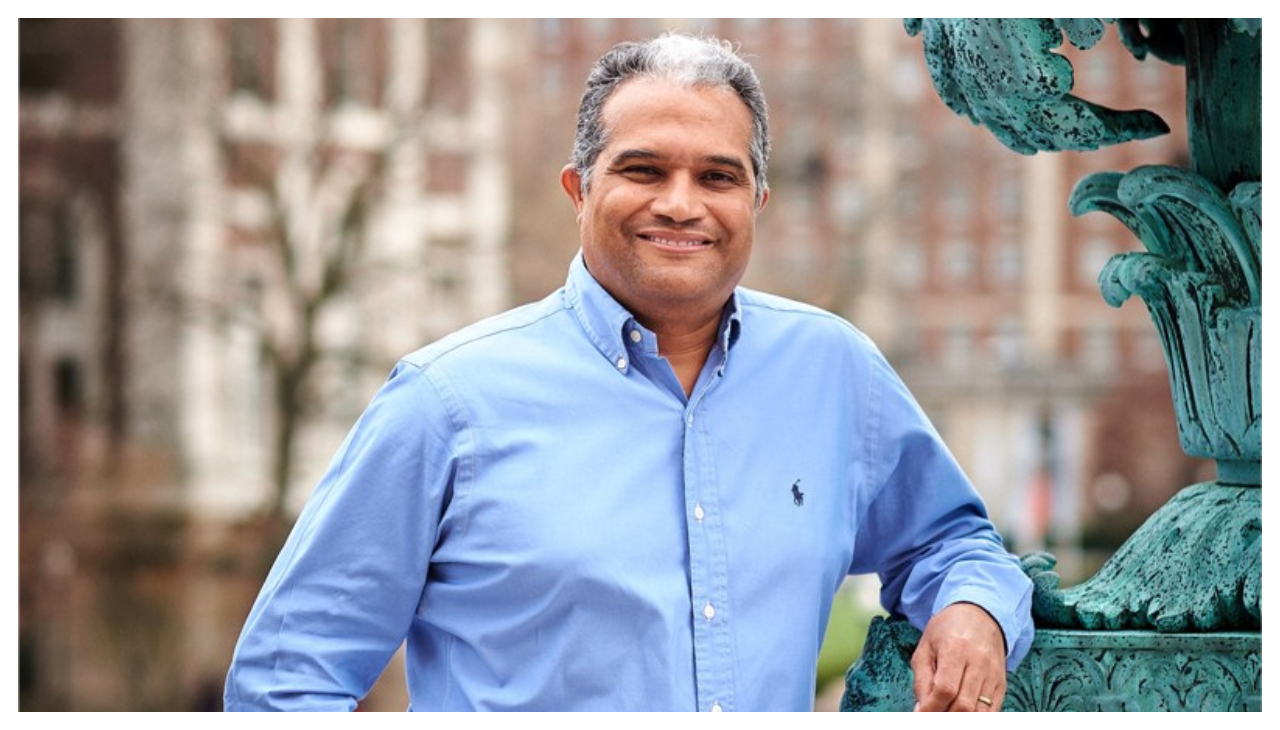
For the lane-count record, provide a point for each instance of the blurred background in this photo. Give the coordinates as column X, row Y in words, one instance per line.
column 231, row 229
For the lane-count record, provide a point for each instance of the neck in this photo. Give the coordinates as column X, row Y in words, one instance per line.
column 686, row 343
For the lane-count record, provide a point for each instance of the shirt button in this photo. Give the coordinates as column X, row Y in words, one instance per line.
column 622, row 363
column 689, row 420
column 698, row 512
column 709, row 611
column 715, row 707
column 636, row 336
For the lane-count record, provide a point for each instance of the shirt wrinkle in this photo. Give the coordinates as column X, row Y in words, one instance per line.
column 455, row 408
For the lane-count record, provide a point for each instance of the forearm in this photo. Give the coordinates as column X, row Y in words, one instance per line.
column 346, row 586
column 974, row 570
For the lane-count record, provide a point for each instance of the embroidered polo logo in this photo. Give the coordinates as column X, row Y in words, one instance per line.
column 797, row 496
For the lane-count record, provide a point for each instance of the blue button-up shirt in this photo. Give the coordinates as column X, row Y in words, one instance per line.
column 538, row 509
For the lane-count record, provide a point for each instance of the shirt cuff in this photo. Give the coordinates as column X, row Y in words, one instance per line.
column 1013, row 616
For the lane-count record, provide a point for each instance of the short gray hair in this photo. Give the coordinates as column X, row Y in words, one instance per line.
column 673, row 57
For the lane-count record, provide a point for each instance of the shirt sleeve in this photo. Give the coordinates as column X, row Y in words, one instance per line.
column 343, row 591
column 925, row 529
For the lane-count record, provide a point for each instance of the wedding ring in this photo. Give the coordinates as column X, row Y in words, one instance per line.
column 984, row 700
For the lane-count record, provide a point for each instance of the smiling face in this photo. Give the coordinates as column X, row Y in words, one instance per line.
column 669, row 220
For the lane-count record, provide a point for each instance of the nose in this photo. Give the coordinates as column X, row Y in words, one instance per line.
column 679, row 199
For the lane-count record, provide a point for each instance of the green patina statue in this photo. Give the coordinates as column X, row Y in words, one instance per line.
column 1173, row 620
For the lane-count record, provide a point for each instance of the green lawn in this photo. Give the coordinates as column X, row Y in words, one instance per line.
column 851, row 613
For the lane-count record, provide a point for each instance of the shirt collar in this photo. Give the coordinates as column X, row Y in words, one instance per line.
column 606, row 322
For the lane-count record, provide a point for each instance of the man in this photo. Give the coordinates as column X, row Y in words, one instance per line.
column 642, row 492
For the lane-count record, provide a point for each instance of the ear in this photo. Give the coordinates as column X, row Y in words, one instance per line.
column 764, row 198
column 571, row 181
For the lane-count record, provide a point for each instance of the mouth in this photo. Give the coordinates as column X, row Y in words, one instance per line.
column 682, row 241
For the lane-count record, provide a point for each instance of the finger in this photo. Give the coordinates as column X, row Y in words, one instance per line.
column 922, row 667
column 991, row 698
column 970, row 689
column 943, row 686
column 985, row 702
column 997, row 697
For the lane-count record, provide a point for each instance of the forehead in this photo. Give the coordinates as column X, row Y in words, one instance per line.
column 646, row 108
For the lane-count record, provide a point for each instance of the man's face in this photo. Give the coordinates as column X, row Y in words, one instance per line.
column 668, row 223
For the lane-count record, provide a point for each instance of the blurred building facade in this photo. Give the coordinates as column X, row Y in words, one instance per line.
column 227, row 225
column 229, row 229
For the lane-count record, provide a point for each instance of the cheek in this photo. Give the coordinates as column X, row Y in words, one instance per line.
column 609, row 223
column 741, row 222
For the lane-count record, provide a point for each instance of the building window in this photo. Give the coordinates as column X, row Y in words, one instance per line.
column 600, row 28
column 1155, row 79
column 448, row 266
column 907, row 201
column 552, row 82
column 799, row 78
column 66, row 259
column 959, row 257
column 352, row 61
column 448, row 63
column 956, row 139
column 1008, row 196
column 696, row 26
column 911, row 148
column 1148, row 351
column 1099, row 349
column 42, row 58
column 246, row 57
column 958, row 347
column 1099, row 71
column 907, row 339
column 849, row 201
column 68, row 386
column 447, row 173
column 550, row 30
column 1006, row 263
column 908, row 79
column 848, row 142
column 958, row 199
column 909, row 264
column 800, row 31
column 1093, row 256
column 813, row 170
column 1008, row 342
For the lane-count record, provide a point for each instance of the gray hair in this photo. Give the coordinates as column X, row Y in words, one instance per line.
column 681, row 59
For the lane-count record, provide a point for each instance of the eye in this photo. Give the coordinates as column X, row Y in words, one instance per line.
column 721, row 178
column 640, row 172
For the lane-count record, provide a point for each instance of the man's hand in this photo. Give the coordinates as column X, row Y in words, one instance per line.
column 959, row 663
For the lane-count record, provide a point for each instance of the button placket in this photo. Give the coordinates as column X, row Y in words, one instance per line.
column 712, row 630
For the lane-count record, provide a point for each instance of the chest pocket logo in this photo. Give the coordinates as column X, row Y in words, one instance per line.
column 797, row 496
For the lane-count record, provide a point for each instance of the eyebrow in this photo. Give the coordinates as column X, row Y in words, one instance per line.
column 643, row 154
column 733, row 162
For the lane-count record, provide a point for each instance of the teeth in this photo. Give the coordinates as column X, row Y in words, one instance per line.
column 684, row 244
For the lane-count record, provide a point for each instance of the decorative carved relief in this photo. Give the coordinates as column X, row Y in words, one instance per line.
column 1083, row 671
column 1224, row 676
